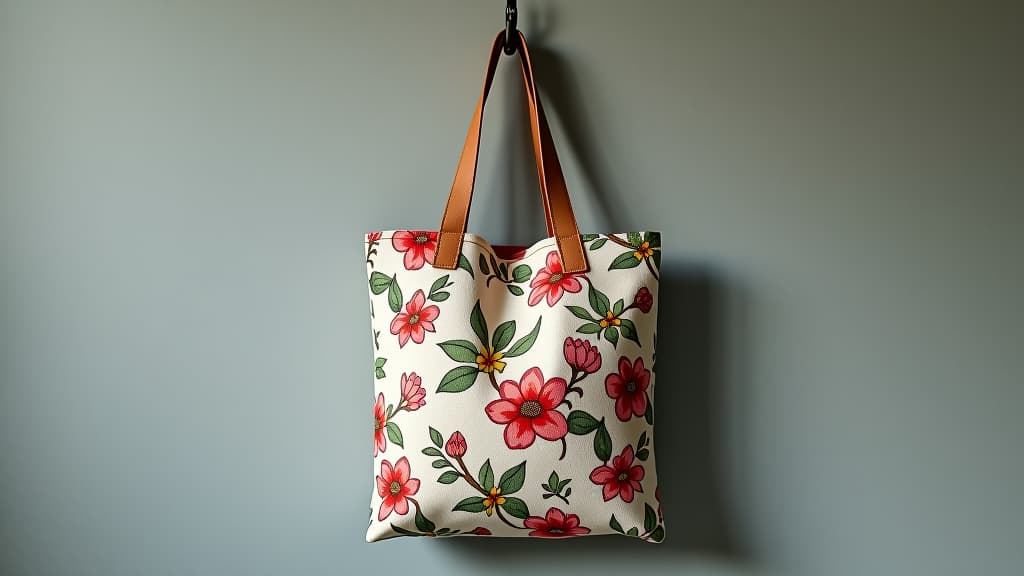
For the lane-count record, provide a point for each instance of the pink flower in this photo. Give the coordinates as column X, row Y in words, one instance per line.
column 456, row 445
column 480, row 531
column 629, row 388
column 643, row 300
column 419, row 246
column 380, row 421
column 551, row 282
column 395, row 486
column 374, row 236
column 621, row 478
column 416, row 321
column 528, row 409
column 412, row 392
column 582, row 355
column 555, row 524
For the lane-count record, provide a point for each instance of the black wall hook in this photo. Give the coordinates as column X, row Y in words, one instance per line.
column 511, row 34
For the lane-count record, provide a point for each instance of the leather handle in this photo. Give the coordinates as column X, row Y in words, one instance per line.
column 558, row 213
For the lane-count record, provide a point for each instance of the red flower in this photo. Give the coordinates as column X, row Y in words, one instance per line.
column 528, row 409
column 456, row 445
column 380, row 421
column 550, row 281
column 643, row 300
column 621, row 478
column 582, row 355
column 480, row 531
column 374, row 236
column 412, row 392
column 416, row 321
column 395, row 486
column 419, row 246
column 629, row 388
column 556, row 524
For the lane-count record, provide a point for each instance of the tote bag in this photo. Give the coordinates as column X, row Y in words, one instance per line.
column 514, row 386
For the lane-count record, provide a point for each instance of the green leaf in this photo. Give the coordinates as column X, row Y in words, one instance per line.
column 581, row 313
column 643, row 440
column 634, row 238
column 431, row 451
column 653, row 239
column 598, row 243
column 657, row 258
column 650, row 518
column 460, row 350
column 503, row 271
column 438, row 284
column 380, row 362
column 516, row 507
column 581, row 423
column 440, row 296
column 514, row 290
column 513, row 478
column 589, row 328
column 465, row 265
column 471, row 504
column 552, row 482
column 494, row 264
column 568, row 491
column 379, row 282
column 598, row 301
column 486, row 475
column 649, row 413
column 623, row 261
column 435, row 437
column 395, row 296
column 643, row 454
column 614, row 525
column 619, row 305
column 628, row 330
column 440, row 463
column 404, row 532
column 659, row 534
column 422, row 523
column 633, row 532
column 449, row 477
column 603, row 443
column 523, row 345
column 484, row 268
column 503, row 334
column 588, row 237
column 611, row 334
column 395, row 434
column 562, row 484
column 479, row 324
column 458, row 379
column 522, row 273
column 379, row 373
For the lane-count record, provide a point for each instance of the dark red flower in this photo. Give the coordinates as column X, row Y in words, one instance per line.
column 582, row 355
column 480, row 531
column 420, row 246
column 456, row 446
column 380, row 421
column 629, row 388
column 528, row 409
column 621, row 478
column 555, row 524
column 643, row 300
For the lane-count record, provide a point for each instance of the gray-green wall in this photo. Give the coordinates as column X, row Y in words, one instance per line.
column 185, row 360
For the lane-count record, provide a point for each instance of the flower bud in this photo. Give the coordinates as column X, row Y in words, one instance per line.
column 643, row 300
column 456, row 446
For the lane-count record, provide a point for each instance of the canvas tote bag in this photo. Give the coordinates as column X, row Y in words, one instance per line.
column 514, row 386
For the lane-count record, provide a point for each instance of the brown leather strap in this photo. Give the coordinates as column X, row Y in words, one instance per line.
column 558, row 212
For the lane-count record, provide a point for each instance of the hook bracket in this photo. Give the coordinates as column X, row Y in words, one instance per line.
column 511, row 33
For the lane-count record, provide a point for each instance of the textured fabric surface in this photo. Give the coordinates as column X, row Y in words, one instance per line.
column 512, row 399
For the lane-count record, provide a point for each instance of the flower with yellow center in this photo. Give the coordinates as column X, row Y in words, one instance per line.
column 644, row 251
column 610, row 320
column 495, row 499
column 488, row 360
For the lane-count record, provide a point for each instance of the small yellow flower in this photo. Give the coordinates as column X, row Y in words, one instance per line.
column 488, row 360
column 495, row 499
column 644, row 251
column 610, row 320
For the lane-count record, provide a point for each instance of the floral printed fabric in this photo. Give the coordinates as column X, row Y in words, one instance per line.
column 512, row 398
